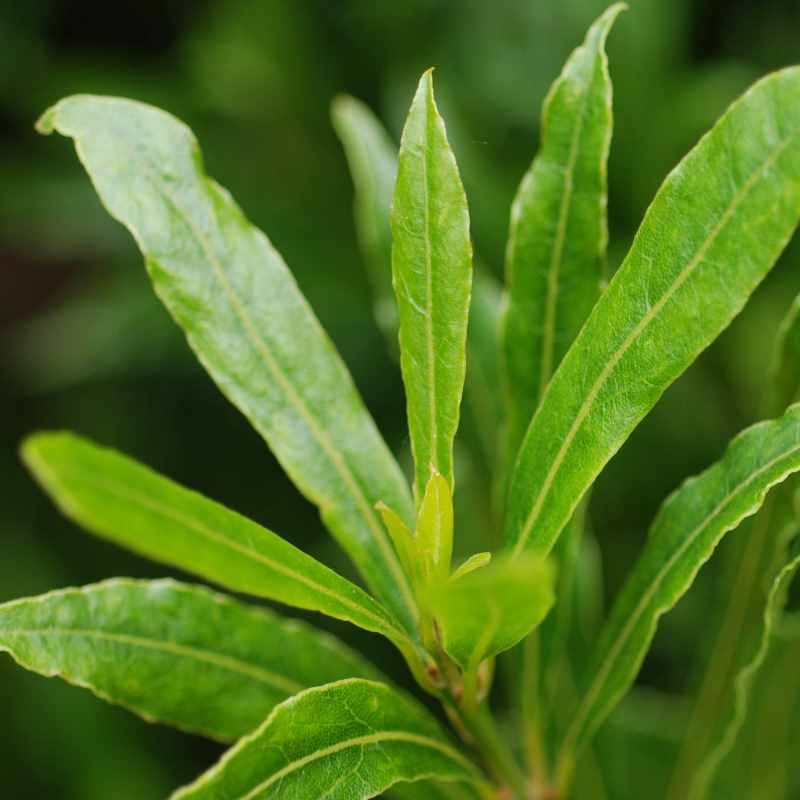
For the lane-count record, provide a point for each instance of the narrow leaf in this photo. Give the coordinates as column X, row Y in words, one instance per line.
column 489, row 610
column 786, row 366
column 685, row 533
column 557, row 240
column 352, row 739
column 475, row 561
column 484, row 401
column 116, row 498
column 372, row 157
column 432, row 274
column 435, row 528
column 714, row 230
column 174, row 653
column 776, row 599
column 247, row 322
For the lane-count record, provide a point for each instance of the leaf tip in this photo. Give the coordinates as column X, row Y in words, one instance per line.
column 46, row 123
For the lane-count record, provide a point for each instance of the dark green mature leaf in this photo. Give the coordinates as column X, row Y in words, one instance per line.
column 347, row 740
column 490, row 609
column 683, row 536
column 776, row 599
column 174, row 653
column 432, row 274
column 558, row 235
column 129, row 504
column 247, row 322
column 483, row 399
column 714, row 230
column 372, row 157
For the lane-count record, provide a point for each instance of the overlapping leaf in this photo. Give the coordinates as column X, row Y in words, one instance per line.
column 246, row 320
column 350, row 740
column 714, row 230
column 684, row 535
column 372, row 157
column 174, row 653
column 129, row 504
column 432, row 275
column 557, row 240
column 491, row 608
column 776, row 599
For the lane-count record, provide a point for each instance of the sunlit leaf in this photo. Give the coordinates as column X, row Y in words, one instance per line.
column 352, row 739
column 247, row 322
column 714, row 230
column 116, row 498
column 432, row 274
column 174, row 653
column 556, row 252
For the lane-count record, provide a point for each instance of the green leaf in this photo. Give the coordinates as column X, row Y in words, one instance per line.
column 116, row 498
column 247, row 322
column 432, row 790
column 557, row 239
column 685, row 533
column 714, row 230
column 475, row 561
column 434, row 538
column 786, row 366
column 489, row 610
column 174, row 653
column 432, row 274
column 776, row 599
column 372, row 157
column 352, row 739
column 484, row 401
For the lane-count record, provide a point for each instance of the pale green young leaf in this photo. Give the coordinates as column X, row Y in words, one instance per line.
column 350, row 740
column 174, row 653
column 556, row 252
column 714, row 230
column 776, row 599
column 247, row 321
column 372, row 157
column 475, row 561
column 685, row 533
column 127, row 503
column 405, row 542
column 486, row 611
column 432, row 275
column 435, row 528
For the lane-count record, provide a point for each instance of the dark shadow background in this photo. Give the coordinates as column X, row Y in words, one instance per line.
column 85, row 345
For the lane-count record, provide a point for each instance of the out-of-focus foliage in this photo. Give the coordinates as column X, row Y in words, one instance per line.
column 84, row 344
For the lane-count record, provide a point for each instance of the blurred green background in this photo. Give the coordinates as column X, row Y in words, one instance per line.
column 85, row 345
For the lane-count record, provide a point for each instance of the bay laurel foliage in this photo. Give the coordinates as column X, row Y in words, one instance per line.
column 554, row 370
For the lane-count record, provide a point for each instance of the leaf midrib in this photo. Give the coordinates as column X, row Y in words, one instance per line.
column 645, row 321
column 220, row 660
column 359, row 741
column 653, row 587
column 430, row 121
column 335, row 457
column 557, row 253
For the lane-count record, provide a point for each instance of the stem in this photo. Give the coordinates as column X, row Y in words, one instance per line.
column 481, row 726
